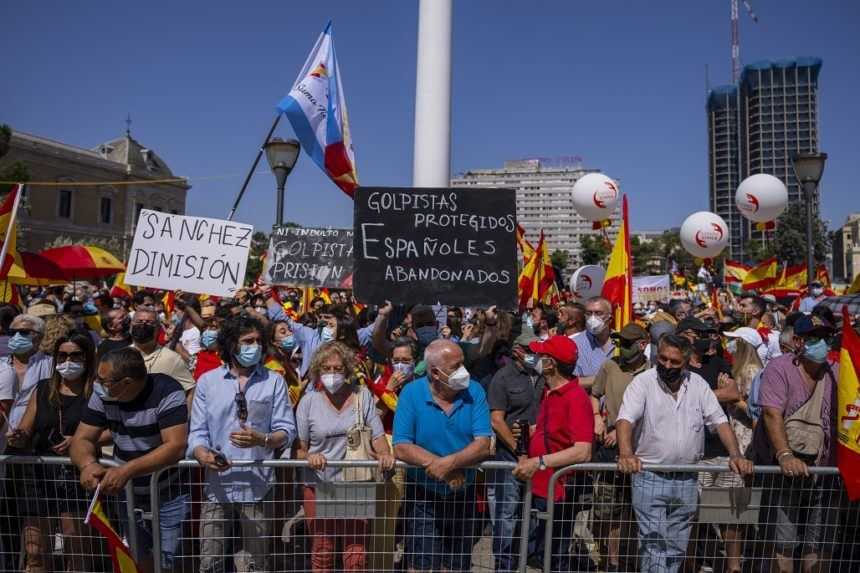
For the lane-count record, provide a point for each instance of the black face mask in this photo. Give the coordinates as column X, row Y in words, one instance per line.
column 142, row 332
column 669, row 375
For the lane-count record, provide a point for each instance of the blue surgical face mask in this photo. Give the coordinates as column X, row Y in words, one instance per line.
column 816, row 352
column 327, row 334
column 208, row 338
column 530, row 361
column 20, row 344
column 288, row 342
column 90, row 309
column 249, row 354
column 100, row 391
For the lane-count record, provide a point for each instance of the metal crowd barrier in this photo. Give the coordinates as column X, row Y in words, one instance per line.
column 669, row 518
column 42, row 508
column 701, row 518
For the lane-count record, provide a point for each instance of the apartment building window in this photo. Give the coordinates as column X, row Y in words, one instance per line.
column 65, row 206
column 106, row 211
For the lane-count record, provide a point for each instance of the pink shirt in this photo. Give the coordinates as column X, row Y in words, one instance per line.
column 784, row 388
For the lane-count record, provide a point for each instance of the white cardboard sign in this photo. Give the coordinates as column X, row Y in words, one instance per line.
column 193, row 254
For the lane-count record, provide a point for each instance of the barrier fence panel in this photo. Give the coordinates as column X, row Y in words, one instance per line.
column 42, row 508
column 279, row 516
column 699, row 518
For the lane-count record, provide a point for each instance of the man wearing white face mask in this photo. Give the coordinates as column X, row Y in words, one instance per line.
column 816, row 295
column 442, row 425
column 595, row 345
column 240, row 412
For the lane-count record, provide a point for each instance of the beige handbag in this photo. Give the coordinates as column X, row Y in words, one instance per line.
column 804, row 428
column 359, row 444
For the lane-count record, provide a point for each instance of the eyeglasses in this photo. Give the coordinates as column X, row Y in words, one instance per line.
column 331, row 369
column 401, row 361
column 109, row 382
column 241, row 407
column 144, row 323
column 76, row 356
column 21, row 331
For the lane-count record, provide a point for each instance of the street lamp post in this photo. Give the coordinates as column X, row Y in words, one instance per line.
column 282, row 156
column 808, row 168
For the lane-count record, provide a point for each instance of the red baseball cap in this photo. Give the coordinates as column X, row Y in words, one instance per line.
column 559, row 347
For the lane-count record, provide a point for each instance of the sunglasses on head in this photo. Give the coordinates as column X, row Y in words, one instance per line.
column 241, row 407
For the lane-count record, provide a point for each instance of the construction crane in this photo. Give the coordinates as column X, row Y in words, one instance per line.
column 736, row 38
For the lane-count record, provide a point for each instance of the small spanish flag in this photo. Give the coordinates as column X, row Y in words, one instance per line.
column 123, row 562
column 169, row 302
column 848, row 416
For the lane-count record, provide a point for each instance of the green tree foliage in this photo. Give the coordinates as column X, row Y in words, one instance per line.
column 16, row 171
column 594, row 250
column 259, row 246
column 643, row 253
column 559, row 258
column 788, row 241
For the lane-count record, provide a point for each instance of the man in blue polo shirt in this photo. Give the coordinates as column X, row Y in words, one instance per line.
column 442, row 425
column 595, row 345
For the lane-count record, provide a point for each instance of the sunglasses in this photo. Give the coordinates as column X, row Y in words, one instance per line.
column 21, row 331
column 76, row 356
column 241, row 407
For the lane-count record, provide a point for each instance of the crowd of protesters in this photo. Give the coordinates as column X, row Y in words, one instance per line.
column 256, row 377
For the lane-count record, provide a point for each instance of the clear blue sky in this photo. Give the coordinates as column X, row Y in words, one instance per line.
column 620, row 83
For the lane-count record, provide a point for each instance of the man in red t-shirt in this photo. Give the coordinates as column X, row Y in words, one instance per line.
column 561, row 437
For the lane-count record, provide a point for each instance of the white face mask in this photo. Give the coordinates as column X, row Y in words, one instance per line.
column 70, row 370
column 459, row 379
column 732, row 346
column 594, row 324
column 332, row 382
column 817, row 291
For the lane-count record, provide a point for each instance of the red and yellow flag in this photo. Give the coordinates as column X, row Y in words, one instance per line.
column 123, row 562
column 734, row 272
column 791, row 281
column 854, row 288
column 848, row 391
column 822, row 276
column 526, row 248
column 762, row 276
column 532, row 276
column 169, row 302
column 120, row 289
column 618, row 284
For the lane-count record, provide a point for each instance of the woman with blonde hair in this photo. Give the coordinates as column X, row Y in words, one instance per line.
column 745, row 365
column 333, row 418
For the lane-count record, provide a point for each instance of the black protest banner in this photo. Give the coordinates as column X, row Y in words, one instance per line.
column 453, row 246
column 309, row 257
column 194, row 254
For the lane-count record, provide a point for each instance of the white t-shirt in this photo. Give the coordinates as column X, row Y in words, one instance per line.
column 190, row 340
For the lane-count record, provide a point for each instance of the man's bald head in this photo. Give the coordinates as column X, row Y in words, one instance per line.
column 443, row 354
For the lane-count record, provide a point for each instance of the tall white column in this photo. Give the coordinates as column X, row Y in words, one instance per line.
column 431, row 162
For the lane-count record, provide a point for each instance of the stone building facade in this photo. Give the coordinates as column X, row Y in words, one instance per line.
column 90, row 212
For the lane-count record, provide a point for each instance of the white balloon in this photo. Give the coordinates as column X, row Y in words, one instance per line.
column 704, row 234
column 587, row 281
column 595, row 196
column 761, row 197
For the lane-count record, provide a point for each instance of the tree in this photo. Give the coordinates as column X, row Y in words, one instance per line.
column 259, row 246
column 789, row 241
column 559, row 258
column 16, row 171
column 643, row 255
column 671, row 250
column 594, row 250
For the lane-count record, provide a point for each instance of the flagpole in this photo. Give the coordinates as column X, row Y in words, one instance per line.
column 254, row 167
column 11, row 228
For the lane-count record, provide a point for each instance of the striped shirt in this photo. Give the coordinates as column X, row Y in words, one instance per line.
column 136, row 425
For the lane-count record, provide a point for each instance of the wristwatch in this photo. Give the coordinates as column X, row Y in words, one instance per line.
column 541, row 464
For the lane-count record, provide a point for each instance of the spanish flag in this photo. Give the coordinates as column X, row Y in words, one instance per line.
column 618, row 284
column 848, row 436
column 9, row 230
column 120, row 289
column 855, row 286
column 169, row 302
column 734, row 272
column 791, row 281
column 123, row 562
column 526, row 248
column 533, row 282
column 762, row 276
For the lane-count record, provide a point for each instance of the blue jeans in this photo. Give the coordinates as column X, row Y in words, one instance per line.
column 171, row 513
column 441, row 531
column 665, row 505
column 508, row 494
